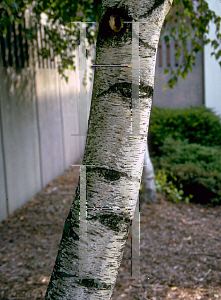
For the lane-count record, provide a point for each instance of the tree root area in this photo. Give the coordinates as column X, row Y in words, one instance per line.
column 180, row 248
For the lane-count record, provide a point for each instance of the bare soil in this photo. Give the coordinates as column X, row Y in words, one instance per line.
column 180, row 248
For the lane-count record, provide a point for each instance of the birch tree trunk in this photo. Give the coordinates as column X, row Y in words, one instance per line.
column 90, row 254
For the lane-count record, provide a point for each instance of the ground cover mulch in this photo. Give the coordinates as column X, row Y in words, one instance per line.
column 180, row 248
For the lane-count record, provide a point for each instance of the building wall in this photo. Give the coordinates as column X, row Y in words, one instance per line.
column 212, row 70
column 186, row 93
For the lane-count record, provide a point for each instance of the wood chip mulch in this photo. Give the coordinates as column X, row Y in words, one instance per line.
column 180, row 248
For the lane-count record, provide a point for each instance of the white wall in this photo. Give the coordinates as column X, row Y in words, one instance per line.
column 39, row 129
column 212, row 70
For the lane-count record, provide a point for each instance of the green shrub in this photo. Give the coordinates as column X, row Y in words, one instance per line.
column 197, row 124
column 167, row 187
column 196, row 167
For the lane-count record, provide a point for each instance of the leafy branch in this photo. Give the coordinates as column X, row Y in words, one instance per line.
column 187, row 19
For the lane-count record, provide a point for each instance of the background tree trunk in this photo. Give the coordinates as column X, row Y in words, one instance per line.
column 90, row 254
column 148, row 189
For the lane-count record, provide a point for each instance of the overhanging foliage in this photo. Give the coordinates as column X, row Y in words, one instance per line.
column 187, row 18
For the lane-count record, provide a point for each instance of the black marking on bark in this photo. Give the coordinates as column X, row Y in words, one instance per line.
column 157, row 3
column 108, row 174
column 69, row 231
column 147, row 45
column 111, row 220
column 146, row 91
column 124, row 88
column 62, row 274
column 94, row 283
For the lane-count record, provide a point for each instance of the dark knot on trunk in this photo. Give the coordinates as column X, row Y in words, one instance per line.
column 116, row 23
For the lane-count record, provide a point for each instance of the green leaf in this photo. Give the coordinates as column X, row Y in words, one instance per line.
column 183, row 76
column 166, row 38
column 215, row 44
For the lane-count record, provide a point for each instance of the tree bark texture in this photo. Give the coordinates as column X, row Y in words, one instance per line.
column 91, row 251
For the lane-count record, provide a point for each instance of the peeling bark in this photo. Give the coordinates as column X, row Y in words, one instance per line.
column 88, row 261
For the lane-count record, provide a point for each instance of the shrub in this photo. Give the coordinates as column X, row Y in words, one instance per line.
column 196, row 167
column 167, row 187
column 196, row 124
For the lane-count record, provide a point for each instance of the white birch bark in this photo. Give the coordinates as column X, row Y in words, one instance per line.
column 113, row 155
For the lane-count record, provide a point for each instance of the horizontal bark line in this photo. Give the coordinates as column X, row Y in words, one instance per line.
column 157, row 3
column 106, row 208
column 110, row 217
column 126, row 134
column 113, row 221
column 86, row 282
column 95, row 283
column 147, row 45
column 110, row 174
column 126, row 88
column 106, row 173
